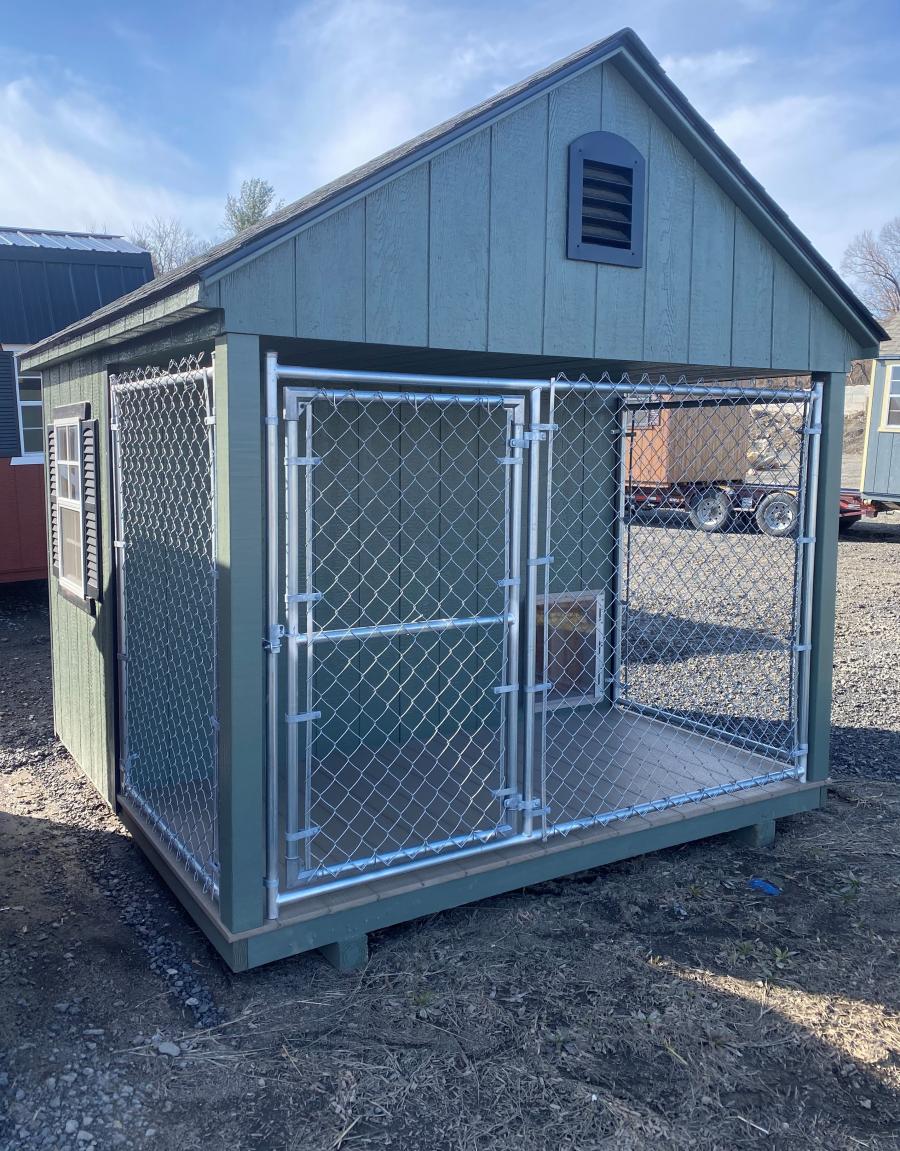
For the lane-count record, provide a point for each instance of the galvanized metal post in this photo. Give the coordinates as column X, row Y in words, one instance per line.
column 514, row 569
column 273, row 642
column 621, row 528
column 531, row 681
column 292, row 793
column 119, row 552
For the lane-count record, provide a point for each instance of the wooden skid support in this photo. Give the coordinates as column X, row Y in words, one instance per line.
column 348, row 954
column 759, row 835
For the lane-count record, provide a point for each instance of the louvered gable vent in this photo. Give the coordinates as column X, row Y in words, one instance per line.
column 606, row 200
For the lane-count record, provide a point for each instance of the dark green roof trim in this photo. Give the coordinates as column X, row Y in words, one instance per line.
column 640, row 67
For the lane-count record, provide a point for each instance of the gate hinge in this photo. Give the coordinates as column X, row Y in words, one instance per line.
column 304, row 597
column 515, row 801
column 272, row 642
column 303, row 717
column 302, row 461
column 306, row 833
column 527, row 438
column 812, row 430
column 539, row 561
column 545, row 427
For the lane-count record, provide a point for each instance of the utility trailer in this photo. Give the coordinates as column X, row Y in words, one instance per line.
column 714, row 507
column 737, row 475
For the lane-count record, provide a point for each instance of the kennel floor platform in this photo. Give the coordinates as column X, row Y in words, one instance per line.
column 408, row 797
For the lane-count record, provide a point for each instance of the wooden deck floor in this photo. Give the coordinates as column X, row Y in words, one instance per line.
column 396, row 797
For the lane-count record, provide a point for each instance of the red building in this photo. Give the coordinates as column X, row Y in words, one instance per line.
column 48, row 280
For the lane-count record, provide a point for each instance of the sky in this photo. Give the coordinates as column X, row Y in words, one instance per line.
column 111, row 112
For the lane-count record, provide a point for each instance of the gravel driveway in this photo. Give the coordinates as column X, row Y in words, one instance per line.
column 655, row 1003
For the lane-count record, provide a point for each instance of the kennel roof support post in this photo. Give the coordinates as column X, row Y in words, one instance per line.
column 824, row 575
column 240, row 531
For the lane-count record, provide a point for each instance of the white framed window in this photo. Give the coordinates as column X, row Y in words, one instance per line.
column 31, row 426
column 890, row 415
column 70, row 502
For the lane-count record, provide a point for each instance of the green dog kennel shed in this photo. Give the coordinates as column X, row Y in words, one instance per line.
column 377, row 587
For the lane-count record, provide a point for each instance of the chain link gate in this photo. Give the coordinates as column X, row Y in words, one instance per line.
column 518, row 610
column 402, row 570
column 163, row 455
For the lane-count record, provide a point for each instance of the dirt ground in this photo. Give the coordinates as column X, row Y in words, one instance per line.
column 659, row 1002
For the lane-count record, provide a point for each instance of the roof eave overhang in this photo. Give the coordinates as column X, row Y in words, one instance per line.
column 162, row 313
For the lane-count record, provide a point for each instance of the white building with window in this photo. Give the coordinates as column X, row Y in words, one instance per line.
column 881, row 454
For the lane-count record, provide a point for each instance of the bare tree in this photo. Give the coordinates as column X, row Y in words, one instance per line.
column 872, row 264
column 253, row 203
column 169, row 242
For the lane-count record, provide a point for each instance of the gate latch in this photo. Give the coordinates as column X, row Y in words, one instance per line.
column 272, row 642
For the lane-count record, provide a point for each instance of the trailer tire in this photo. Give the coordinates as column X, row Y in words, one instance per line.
column 777, row 514
column 710, row 511
column 845, row 523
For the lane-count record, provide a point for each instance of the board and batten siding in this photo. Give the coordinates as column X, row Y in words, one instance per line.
column 83, row 646
column 467, row 250
column 881, row 474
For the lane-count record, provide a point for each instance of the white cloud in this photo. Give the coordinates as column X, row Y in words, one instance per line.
column 806, row 151
column 353, row 78
column 709, row 66
column 69, row 161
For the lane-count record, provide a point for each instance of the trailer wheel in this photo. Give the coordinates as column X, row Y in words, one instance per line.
column 777, row 514
column 710, row 511
column 845, row 523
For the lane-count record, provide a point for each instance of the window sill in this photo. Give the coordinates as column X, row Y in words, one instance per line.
column 30, row 458
column 895, row 428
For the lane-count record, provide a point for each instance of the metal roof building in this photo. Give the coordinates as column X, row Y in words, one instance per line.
column 47, row 280
column 360, row 608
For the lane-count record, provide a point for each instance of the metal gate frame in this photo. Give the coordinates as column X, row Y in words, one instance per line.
column 303, row 640
column 188, row 371
column 529, row 803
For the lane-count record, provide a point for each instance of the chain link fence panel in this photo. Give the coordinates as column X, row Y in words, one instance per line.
column 163, row 431
column 671, row 622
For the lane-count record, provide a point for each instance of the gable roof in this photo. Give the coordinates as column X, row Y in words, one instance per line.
column 891, row 346
column 639, row 64
column 51, row 279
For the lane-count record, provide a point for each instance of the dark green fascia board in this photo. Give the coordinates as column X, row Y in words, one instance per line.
column 283, row 938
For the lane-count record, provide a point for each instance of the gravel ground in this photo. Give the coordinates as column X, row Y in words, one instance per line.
column 660, row 1002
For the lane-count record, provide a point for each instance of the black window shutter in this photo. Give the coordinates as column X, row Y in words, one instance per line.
column 90, row 519
column 54, row 506
column 9, row 407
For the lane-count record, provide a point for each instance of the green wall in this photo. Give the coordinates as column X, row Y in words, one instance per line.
column 83, row 645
